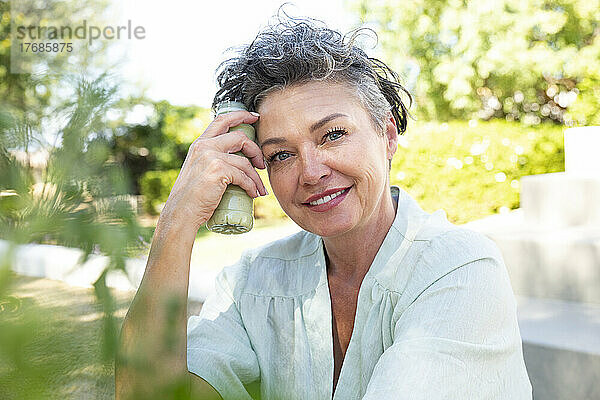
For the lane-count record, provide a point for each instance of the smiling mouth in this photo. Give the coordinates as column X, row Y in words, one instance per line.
column 327, row 198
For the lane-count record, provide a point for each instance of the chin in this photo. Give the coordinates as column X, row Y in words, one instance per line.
column 326, row 228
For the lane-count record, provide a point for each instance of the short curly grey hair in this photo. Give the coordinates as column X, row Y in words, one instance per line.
column 293, row 51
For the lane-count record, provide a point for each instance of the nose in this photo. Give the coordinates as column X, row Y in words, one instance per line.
column 313, row 167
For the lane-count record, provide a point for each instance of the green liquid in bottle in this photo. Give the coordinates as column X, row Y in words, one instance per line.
column 234, row 214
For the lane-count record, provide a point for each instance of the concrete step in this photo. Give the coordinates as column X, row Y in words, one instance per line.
column 561, row 200
column 64, row 264
column 581, row 147
column 561, row 346
column 566, row 325
column 558, row 263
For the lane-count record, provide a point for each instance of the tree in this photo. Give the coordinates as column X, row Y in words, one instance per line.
column 74, row 198
column 75, row 203
column 153, row 151
column 529, row 60
column 29, row 81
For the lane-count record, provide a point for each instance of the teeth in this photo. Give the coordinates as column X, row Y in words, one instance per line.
column 325, row 199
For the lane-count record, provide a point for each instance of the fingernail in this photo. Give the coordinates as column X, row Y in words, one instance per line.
column 255, row 114
column 257, row 194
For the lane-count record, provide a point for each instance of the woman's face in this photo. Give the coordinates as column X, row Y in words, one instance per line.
column 318, row 141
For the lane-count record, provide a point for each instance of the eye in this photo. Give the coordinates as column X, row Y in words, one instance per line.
column 335, row 133
column 280, row 156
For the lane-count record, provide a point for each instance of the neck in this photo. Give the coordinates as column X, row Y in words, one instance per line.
column 350, row 255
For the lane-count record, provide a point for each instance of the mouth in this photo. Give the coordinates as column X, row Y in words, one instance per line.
column 328, row 201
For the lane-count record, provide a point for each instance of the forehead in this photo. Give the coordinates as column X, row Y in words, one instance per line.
column 321, row 93
column 296, row 107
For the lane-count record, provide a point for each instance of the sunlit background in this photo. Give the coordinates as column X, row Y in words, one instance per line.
column 505, row 98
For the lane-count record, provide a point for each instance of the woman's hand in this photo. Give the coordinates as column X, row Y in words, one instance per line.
column 209, row 167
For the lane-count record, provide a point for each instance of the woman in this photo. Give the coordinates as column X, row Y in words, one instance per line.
column 374, row 299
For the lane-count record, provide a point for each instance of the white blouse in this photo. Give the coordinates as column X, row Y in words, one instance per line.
column 436, row 319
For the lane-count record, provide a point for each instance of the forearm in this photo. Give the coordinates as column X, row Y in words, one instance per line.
column 152, row 348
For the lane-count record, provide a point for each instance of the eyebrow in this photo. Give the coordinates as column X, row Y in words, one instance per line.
column 313, row 127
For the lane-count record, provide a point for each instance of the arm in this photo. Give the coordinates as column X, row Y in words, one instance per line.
column 458, row 339
column 151, row 360
column 155, row 326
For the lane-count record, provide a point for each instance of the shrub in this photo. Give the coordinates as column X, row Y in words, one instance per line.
column 473, row 169
column 155, row 187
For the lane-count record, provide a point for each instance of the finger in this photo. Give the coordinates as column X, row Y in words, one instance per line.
column 236, row 176
column 243, row 163
column 237, row 141
column 223, row 122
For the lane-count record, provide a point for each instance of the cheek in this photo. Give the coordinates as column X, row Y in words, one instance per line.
column 366, row 159
column 282, row 184
column 372, row 173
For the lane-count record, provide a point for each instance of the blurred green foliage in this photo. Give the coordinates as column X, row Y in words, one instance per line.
column 156, row 186
column 587, row 107
column 152, row 151
column 472, row 169
column 532, row 61
column 266, row 207
column 58, row 185
column 75, row 199
column 30, row 94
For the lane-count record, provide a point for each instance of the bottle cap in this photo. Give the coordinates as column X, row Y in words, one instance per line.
column 227, row 106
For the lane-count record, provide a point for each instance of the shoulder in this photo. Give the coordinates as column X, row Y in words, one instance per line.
column 459, row 288
column 426, row 246
column 469, row 300
column 452, row 247
column 436, row 249
column 434, row 239
column 442, row 247
column 459, row 258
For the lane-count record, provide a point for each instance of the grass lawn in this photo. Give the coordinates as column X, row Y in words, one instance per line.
column 51, row 341
column 51, row 334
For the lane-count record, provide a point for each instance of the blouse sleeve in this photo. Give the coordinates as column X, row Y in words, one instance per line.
column 218, row 347
column 458, row 339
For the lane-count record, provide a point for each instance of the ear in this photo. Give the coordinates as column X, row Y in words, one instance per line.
column 391, row 134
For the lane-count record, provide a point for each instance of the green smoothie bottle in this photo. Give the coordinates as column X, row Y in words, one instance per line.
column 234, row 214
